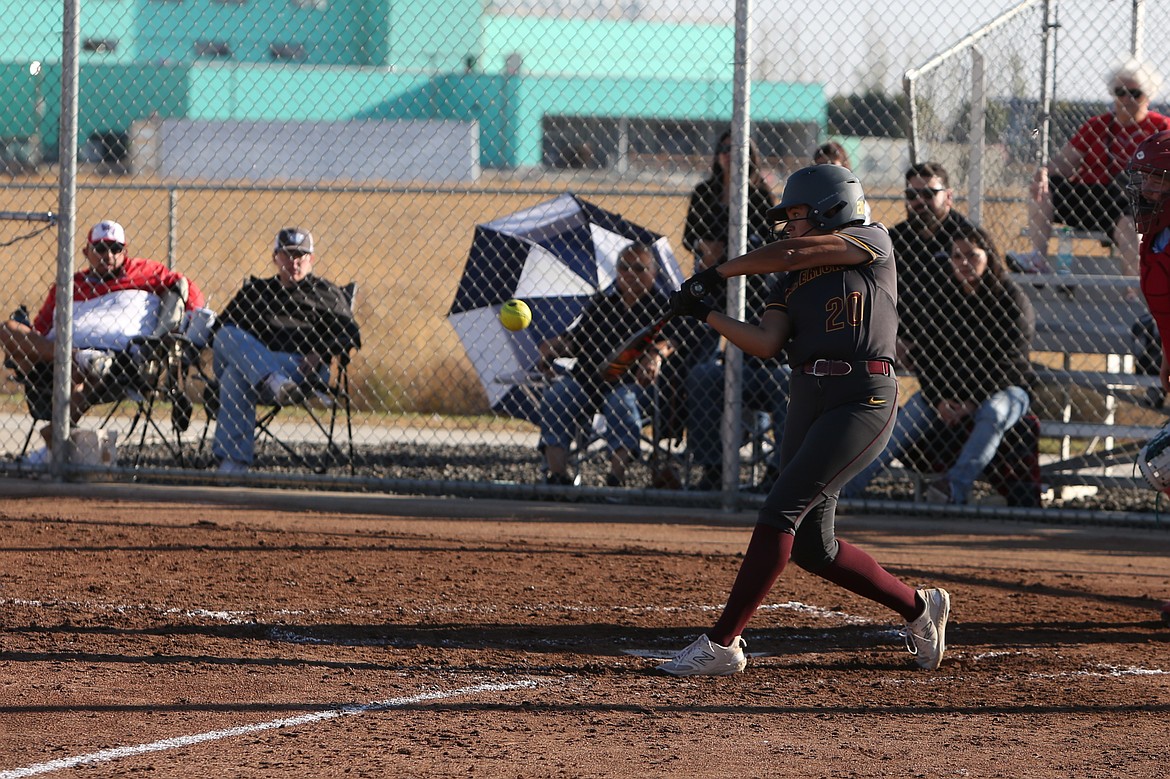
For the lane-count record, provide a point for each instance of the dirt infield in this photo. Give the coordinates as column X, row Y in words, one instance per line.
column 246, row 634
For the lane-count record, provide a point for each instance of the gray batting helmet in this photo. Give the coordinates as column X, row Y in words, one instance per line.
column 832, row 193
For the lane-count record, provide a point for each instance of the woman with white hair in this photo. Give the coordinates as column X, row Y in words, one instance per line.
column 1084, row 184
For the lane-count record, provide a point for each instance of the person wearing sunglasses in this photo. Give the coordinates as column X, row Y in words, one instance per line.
column 115, row 299
column 275, row 340
column 1084, row 185
column 922, row 246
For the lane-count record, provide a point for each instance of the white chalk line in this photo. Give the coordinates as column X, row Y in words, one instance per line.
column 292, row 634
column 240, row 617
column 179, row 742
column 288, row 634
column 1104, row 672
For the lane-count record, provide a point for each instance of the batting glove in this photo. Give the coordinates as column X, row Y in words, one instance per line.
column 682, row 304
column 702, row 284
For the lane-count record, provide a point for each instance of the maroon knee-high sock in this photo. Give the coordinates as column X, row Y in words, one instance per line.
column 764, row 561
column 858, row 572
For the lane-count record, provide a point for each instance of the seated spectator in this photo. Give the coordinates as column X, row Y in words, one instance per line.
column 1084, row 185
column 973, row 362
column 831, row 153
column 605, row 324
column 116, row 299
column 274, row 342
column 765, row 382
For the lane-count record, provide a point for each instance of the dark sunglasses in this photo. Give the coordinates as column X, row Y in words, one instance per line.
column 108, row 247
column 1123, row 92
column 636, row 268
column 926, row 193
column 724, row 148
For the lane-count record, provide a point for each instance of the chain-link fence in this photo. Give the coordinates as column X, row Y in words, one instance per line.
column 448, row 156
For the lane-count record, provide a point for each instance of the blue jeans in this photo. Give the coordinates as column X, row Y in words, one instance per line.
column 242, row 363
column 566, row 406
column 999, row 412
column 765, row 389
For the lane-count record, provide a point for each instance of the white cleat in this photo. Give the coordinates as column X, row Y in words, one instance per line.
column 926, row 636
column 706, row 658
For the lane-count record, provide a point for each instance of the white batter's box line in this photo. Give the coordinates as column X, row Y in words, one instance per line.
column 117, row 753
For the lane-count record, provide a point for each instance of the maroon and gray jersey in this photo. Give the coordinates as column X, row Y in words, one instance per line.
column 843, row 312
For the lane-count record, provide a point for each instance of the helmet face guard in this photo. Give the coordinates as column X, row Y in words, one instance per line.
column 1147, row 210
column 1154, row 461
column 832, row 193
column 1149, row 183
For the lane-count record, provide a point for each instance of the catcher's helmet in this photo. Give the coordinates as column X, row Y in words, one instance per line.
column 832, row 193
column 1154, row 460
column 1149, row 183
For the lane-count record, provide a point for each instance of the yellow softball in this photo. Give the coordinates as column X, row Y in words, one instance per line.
column 515, row 314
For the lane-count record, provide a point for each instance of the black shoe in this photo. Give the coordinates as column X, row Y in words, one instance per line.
column 613, row 480
column 711, row 479
column 558, row 479
column 764, row 485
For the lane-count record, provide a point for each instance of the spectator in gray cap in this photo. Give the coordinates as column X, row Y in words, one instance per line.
column 274, row 341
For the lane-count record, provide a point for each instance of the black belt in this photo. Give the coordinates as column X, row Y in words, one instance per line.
column 842, row 368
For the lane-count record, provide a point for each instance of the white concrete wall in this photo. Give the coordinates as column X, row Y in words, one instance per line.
column 358, row 151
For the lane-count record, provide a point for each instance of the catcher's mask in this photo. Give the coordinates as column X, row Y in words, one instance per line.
column 1154, row 460
column 1149, row 183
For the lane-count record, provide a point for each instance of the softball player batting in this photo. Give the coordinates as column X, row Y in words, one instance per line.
column 834, row 310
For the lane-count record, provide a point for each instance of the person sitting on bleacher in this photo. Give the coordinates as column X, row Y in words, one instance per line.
column 116, row 299
column 1084, row 185
column 274, row 341
column 974, row 363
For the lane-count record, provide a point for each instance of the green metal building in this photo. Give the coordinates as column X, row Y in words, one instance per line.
column 533, row 84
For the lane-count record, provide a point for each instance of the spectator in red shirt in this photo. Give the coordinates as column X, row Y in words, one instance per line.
column 115, row 299
column 1084, row 185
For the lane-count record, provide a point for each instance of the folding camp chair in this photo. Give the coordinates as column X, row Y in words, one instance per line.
column 324, row 400
column 149, row 370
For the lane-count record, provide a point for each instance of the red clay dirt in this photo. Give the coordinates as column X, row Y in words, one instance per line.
column 491, row 639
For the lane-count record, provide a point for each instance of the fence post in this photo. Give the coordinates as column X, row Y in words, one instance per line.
column 172, row 226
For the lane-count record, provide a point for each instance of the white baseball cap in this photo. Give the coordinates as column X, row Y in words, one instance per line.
column 107, row 230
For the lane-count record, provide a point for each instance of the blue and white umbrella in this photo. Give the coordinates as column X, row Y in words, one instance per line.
column 554, row 256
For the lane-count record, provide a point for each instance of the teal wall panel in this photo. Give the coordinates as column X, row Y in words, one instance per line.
column 314, row 94
column 169, row 31
column 609, row 48
column 434, row 35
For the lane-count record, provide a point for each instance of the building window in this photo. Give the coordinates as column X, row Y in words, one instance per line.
column 99, row 45
column 212, row 49
column 287, row 52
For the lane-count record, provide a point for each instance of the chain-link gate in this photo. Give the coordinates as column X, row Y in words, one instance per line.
column 393, row 133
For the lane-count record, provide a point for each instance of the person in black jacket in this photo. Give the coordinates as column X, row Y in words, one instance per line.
column 274, row 340
column 608, row 320
column 973, row 361
column 765, row 381
column 922, row 244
